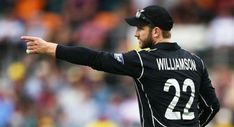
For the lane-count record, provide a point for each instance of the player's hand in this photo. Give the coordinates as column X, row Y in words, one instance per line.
column 36, row 45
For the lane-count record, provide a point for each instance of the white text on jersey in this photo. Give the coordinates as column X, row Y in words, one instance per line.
column 176, row 64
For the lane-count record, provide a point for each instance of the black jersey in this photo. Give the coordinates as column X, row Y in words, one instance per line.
column 172, row 85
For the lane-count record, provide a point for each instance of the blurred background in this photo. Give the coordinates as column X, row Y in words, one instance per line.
column 40, row 91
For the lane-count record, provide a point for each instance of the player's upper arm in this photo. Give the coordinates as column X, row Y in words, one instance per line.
column 118, row 63
column 209, row 104
column 207, row 91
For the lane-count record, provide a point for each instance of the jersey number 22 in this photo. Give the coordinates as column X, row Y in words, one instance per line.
column 173, row 115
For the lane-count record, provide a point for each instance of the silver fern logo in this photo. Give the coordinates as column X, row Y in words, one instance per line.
column 119, row 57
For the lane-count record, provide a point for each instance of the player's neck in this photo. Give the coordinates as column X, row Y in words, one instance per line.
column 162, row 40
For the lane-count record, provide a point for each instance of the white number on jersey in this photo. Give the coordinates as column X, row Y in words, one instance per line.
column 172, row 115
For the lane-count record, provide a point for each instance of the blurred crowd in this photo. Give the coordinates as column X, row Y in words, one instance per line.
column 40, row 91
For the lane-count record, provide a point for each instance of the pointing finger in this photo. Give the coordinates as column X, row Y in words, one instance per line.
column 29, row 38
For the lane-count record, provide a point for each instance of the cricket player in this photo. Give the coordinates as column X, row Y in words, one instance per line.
column 172, row 84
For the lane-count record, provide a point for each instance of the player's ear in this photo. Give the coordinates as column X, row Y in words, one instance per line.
column 156, row 31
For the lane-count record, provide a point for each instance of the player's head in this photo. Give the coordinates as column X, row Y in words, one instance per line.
column 156, row 20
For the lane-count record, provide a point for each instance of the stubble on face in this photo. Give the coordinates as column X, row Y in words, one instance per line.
column 147, row 43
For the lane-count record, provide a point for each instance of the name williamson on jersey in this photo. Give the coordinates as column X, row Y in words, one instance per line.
column 176, row 64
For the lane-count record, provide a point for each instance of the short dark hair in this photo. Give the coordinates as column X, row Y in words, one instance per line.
column 166, row 34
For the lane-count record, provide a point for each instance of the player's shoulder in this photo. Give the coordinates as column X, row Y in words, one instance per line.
column 137, row 53
column 192, row 54
column 195, row 57
column 131, row 55
column 146, row 51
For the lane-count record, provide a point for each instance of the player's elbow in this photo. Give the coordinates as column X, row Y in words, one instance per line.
column 216, row 107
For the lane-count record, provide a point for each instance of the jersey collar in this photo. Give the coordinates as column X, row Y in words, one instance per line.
column 166, row 46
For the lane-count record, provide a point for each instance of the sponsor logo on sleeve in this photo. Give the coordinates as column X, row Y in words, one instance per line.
column 119, row 57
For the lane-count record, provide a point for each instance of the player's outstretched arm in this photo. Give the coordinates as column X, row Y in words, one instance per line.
column 36, row 45
column 99, row 60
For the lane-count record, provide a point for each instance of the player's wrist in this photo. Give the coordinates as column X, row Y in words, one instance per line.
column 51, row 48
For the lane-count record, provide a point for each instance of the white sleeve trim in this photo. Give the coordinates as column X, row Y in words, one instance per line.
column 142, row 66
column 210, row 109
